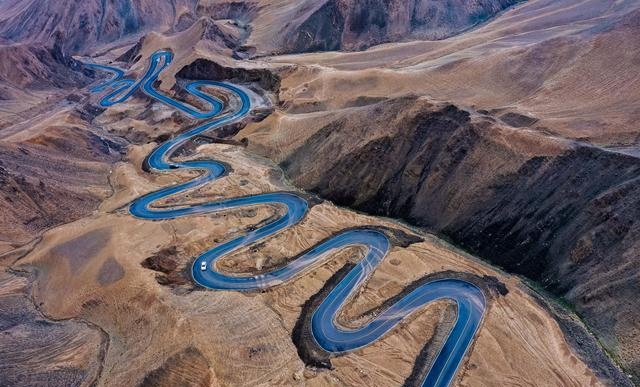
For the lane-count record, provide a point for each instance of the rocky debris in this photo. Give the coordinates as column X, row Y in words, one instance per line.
column 364, row 100
column 202, row 139
column 242, row 11
column 400, row 238
column 213, row 32
column 308, row 350
column 132, row 55
column 518, row 120
column 164, row 261
column 430, row 350
column 88, row 112
column 322, row 31
column 174, row 268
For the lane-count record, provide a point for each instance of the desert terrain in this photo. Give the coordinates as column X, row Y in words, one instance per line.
column 491, row 142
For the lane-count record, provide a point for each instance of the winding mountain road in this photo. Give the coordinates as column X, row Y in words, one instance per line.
column 328, row 334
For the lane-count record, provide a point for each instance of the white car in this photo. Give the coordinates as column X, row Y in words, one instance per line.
column 203, row 266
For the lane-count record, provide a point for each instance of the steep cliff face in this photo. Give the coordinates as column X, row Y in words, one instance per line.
column 322, row 31
column 78, row 24
column 358, row 24
column 558, row 212
column 307, row 25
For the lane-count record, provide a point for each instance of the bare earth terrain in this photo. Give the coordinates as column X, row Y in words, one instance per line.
column 498, row 137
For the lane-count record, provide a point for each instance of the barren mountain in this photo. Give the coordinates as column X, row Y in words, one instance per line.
column 347, row 24
column 488, row 138
column 507, row 128
column 78, row 25
column 52, row 173
column 354, row 25
column 307, row 25
column 570, row 65
column 555, row 211
column 38, row 67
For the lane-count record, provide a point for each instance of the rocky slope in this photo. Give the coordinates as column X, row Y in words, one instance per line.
column 52, row 173
column 570, row 65
column 36, row 67
column 307, row 25
column 311, row 25
column 78, row 25
column 162, row 334
column 493, row 170
column 359, row 128
column 355, row 25
column 34, row 78
column 553, row 210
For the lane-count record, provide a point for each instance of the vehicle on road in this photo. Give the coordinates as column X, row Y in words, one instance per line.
column 330, row 336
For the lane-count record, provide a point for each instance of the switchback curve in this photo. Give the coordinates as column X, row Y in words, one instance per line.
column 326, row 331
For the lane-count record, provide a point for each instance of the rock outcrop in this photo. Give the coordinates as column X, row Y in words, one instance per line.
column 562, row 213
column 356, row 25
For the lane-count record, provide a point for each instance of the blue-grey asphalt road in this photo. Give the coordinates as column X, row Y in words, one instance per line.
column 328, row 334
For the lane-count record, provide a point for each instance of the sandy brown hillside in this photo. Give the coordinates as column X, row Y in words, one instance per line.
column 53, row 172
column 306, row 25
column 354, row 25
column 507, row 128
column 491, row 162
column 570, row 65
column 80, row 25
column 561, row 213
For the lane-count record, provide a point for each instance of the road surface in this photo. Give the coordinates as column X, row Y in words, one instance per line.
column 327, row 333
